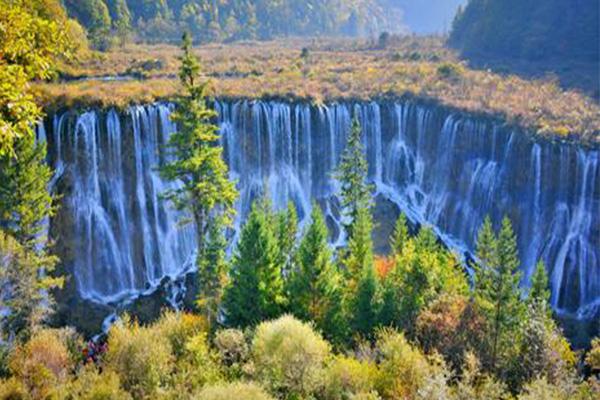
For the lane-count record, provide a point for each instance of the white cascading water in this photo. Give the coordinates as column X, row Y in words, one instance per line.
column 442, row 169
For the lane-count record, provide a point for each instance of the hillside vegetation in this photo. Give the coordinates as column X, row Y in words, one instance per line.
column 533, row 37
column 329, row 70
column 163, row 21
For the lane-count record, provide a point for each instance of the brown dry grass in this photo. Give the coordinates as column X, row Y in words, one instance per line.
column 333, row 70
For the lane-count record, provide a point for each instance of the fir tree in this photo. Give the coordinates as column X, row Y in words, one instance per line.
column 399, row 236
column 20, row 271
column 539, row 290
column 426, row 240
column 359, row 254
column 366, row 303
column 198, row 161
column 24, row 199
column 315, row 286
column 497, row 286
column 212, row 273
column 287, row 230
column 352, row 175
column 255, row 291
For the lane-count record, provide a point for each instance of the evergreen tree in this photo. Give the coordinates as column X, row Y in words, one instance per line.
column 426, row 240
column 33, row 37
column 25, row 203
column 366, row 303
column 538, row 298
column 352, row 175
column 486, row 250
column 255, row 291
column 540, row 289
column 20, row 271
column 197, row 156
column 212, row 273
column 399, row 236
column 287, row 230
column 314, row 285
column 359, row 254
column 497, row 286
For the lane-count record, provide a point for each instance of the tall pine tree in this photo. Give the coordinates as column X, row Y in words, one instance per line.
column 197, row 156
column 206, row 193
column 287, row 230
column 497, row 286
column 256, row 289
column 315, row 285
column 399, row 236
column 352, row 175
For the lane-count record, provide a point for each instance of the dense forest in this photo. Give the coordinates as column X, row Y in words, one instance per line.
column 534, row 30
column 227, row 20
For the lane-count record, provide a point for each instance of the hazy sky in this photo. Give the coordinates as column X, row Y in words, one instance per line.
column 428, row 16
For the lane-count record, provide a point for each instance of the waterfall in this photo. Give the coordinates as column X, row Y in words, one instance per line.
column 442, row 169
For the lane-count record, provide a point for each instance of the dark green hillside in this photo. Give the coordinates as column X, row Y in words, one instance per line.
column 559, row 36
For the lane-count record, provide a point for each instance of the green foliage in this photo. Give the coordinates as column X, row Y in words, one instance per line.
column 32, row 39
column 352, row 175
column 422, row 271
column 399, row 236
column 497, row 287
column 289, row 357
column 592, row 359
column 24, row 200
column 20, row 271
column 95, row 17
column 365, row 303
column 539, row 291
column 206, row 193
column 202, row 368
column 256, row 288
column 121, row 18
column 212, row 273
column 197, row 156
column 359, row 254
column 162, row 20
column 287, row 230
column 315, row 285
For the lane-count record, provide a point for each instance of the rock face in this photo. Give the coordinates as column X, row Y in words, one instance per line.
column 118, row 239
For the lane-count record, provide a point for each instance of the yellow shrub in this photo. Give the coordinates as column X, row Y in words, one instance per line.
column 233, row 391
column 289, row 356
column 346, row 376
column 403, row 368
column 43, row 363
column 91, row 385
column 141, row 356
column 178, row 328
